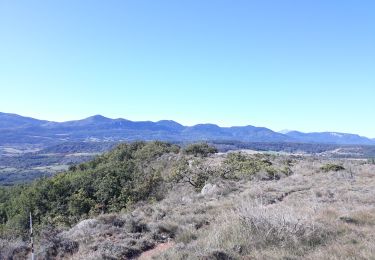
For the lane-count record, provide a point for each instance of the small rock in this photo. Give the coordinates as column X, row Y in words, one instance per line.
column 87, row 223
column 210, row 189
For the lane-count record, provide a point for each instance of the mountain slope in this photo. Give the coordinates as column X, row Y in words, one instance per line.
column 11, row 121
column 330, row 137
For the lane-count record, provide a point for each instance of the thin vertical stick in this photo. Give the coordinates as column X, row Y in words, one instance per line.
column 31, row 237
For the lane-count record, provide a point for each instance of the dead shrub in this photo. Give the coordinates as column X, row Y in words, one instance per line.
column 186, row 236
column 111, row 219
column 114, row 251
column 163, row 231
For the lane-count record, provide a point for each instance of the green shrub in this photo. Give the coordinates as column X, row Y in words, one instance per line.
column 200, row 149
column 272, row 173
column 287, row 171
column 331, row 167
column 80, row 203
column 238, row 165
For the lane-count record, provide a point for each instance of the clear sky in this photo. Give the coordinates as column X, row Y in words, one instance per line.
column 305, row 65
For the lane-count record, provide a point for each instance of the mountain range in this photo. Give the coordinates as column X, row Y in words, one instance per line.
column 16, row 129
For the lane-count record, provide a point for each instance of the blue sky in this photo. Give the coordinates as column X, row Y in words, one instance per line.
column 306, row 65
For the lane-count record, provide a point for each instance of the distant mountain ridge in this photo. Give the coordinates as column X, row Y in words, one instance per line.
column 329, row 137
column 16, row 129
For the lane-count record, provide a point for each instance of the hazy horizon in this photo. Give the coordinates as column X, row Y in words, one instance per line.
column 307, row 66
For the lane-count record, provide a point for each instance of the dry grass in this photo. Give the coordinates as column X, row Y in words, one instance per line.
column 310, row 215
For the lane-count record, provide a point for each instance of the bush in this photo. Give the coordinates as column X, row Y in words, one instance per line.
column 331, row 167
column 286, row 171
column 200, row 149
column 238, row 165
column 194, row 173
column 165, row 230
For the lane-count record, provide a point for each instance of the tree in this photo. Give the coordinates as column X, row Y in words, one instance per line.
column 80, row 203
column 191, row 172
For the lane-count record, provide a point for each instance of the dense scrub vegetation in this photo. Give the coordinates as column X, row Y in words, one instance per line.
column 108, row 183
